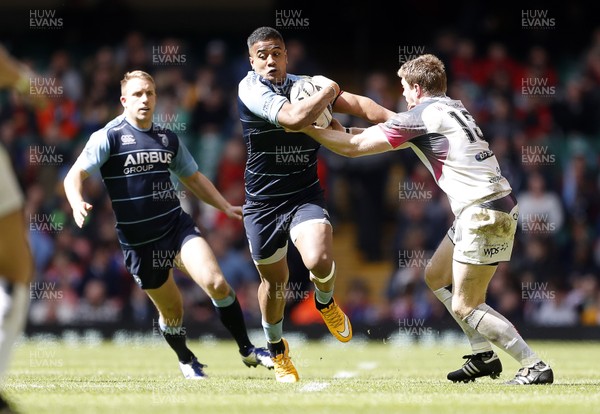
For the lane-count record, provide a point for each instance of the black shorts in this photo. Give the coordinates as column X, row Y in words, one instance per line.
column 268, row 224
column 150, row 264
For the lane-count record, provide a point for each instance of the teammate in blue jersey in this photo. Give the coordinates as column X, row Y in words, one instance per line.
column 136, row 160
column 284, row 198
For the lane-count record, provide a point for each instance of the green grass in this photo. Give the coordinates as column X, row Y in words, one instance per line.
column 51, row 376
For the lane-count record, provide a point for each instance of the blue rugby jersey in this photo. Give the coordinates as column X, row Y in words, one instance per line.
column 136, row 168
column 279, row 164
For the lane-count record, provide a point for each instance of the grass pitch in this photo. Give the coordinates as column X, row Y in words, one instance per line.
column 142, row 376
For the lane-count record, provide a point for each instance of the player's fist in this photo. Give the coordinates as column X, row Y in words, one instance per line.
column 233, row 212
column 323, row 82
column 80, row 213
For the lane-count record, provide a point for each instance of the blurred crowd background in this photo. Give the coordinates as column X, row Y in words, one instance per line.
column 534, row 91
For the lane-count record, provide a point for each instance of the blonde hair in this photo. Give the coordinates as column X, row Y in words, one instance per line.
column 136, row 74
column 426, row 70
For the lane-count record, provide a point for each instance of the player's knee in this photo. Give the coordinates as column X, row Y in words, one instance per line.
column 431, row 279
column 318, row 263
column 172, row 319
column 435, row 279
column 273, row 279
column 460, row 308
column 217, row 286
column 172, row 312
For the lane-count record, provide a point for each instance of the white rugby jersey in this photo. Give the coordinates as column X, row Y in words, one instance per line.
column 448, row 141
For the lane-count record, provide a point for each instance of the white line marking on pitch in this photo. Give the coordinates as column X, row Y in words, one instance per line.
column 314, row 386
column 345, row 374
column 367, row 365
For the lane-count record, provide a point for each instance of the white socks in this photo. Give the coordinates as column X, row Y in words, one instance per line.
column 498, row 330
column 478, row 342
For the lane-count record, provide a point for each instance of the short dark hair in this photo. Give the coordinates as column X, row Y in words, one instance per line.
column 263, row 33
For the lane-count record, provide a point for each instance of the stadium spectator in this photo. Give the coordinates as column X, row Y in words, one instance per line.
column 540, row 209
column 95, row 306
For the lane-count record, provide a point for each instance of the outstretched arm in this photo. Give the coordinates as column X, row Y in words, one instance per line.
column 370, row 141
column 16, row 75
column 362, row 107
column 73, row 184
column 204, row 189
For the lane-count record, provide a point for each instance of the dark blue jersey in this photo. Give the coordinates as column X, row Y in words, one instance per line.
column 279, row 164
column 136, row 168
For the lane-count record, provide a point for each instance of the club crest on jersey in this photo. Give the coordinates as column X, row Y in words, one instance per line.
column 164, row 139
column 127, row 140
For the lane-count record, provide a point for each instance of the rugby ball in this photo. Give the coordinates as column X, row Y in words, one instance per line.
column 303, row 88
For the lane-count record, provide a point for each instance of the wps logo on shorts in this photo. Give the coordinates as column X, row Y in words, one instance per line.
column 491, row 251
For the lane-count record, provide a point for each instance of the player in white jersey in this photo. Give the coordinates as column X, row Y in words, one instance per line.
column 448, row 141
column 16, row 260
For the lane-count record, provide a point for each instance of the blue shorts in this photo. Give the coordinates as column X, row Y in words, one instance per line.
column 270, row 224
column 150, row 264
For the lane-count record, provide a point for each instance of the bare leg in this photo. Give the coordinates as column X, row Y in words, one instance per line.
column 438, row 276
column 167, row 300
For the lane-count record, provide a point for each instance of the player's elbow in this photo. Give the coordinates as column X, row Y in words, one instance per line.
column 73, row 177
column 67, row 181
column 296, row 123
column 295, row 120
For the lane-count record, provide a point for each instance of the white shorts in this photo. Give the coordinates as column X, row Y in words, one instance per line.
column 11, row 196
column 484, row 233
